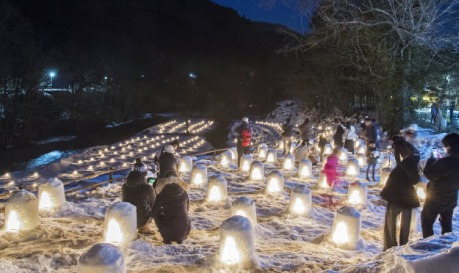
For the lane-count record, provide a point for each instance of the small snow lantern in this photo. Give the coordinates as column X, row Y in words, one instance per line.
column 102, row 258
column 353, row 167
column 51, row 194
column 362, row 149
column 233, row 152
column 289, row 162
column 388, row 161
column 301, row 153
column 275, row 183
column 281, row 145
column 244, row 206
column 21, row 212
column 293, row 146
column 324, row 161
column 256, row 171
column 305, row 169
column 185, row 164
column 217, row 189
column 421, row 188
column 300, row 201
column 271, row 157
column 120, row 225
column 357, row 194
column 346, row 226
column 328, row 149
column 261, row 145
column 226, row 159
column 246, row 160
column 199, row 176
column 357, row 143
column 262, row 153
column 385, row 172
column 362, row 160
column 236, row 242
column 323, row 180
column 342, row 155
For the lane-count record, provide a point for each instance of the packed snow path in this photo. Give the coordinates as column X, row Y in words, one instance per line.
column 282, row 242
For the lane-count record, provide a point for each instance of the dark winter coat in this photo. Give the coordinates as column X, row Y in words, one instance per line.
column 322, row 143
column 306, row 131
column 287, row 130
column 369, row 155
column 444, row 179
column 371, row 134
column 138, row 192
column 167, row 165
column 402, row 148
column 399, row 189
column 171, row 209
column 338, row 137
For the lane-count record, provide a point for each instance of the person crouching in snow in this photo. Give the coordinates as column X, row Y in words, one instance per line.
column 138, row 192
column 372, row 155
column 172, row 204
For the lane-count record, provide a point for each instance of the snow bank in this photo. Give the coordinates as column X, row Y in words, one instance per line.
column 102, row 258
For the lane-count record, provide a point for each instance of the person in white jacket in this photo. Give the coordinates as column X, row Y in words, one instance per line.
column 349, row 137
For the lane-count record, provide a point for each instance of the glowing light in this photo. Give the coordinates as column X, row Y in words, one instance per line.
column 270, row 158
column 256, row 174
column 328, row 149
column 45, row 201
column 288, row 163
column 305, row 172
column 351, row 171
column 421, row 193
column 183, row 167
column 113, row 234
column 341, row 234
column 262, row 153
column 355, row 198
column 215, row 194
column 241, row 213
column 224, row 161
column 230, row 253
column 299, row 207
column 273, row 186
column 13, row 223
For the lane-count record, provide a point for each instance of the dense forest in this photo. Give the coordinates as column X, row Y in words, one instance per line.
column 118, row 60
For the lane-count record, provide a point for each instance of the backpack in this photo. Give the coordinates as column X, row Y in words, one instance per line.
column 245, row 134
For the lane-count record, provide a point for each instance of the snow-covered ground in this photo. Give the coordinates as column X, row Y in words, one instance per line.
column 282, row 242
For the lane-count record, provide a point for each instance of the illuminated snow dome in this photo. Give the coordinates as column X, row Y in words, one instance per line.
column 362, row 149
column 21, row 212
column 305, row 169
column 362, row 160
column 185, row 164
column 275, row 183
column 352, row 168
column 233, row 152
column 236, row 243
column 199, row 176
column 244, row 206
column 289, row 162
column 357, row 194
column 385, row 172
column 257, row 171
column 328, row 149
column 357, row 143
column 102, row 258
column 217, row 189
column 262, row 153
column 301, row 153
column 388, row 161
column 246, row 160
column 120, row 225
column 346, row 228
column 226, row 159
column 51, row 194
column 343, row 155
column 271, row 157
column 261, row 145
column 322, row 182
column 300, row 201
column 421, row 188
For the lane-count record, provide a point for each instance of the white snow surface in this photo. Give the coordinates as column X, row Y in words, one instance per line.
column 282, row 242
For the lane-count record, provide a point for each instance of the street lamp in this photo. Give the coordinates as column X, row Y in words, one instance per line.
column 51, row 75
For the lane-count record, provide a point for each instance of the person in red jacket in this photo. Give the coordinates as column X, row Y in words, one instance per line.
column 244, row 134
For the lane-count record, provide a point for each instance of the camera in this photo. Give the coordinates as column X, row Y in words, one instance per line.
column 389, row 146
column 434, row 152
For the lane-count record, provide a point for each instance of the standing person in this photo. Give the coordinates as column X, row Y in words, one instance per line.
column 338, row 137
column 306, row 132
column 372, row 155
column 244, row 133
column 433, row 112
column 171, row 208
column 287, row 135
column 349, row 136
column 167, row 163
column 138, row 192
column 402, row 148
column 378, row 133
column 370, row 132
column 401, row 197
column 442, row 188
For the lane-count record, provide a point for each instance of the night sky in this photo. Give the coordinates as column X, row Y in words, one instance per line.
column 279, row 13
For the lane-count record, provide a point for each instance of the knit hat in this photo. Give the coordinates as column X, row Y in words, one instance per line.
column 139, row 166
column 245, row 119
column 169, row 149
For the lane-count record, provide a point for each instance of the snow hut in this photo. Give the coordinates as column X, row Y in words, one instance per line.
column 357, row 194
column 199, row 176
column 271, row 157
column 362, row 149
column 120, row 225
column 244, row 206
column 226, row 159
column 289, row 162
column 51, row 194
column 262, row 153
column 353, row 168
column 300, row 201
column 362, row 160
column 305, row 169
column 246, row 160
column 343, row 155
column 328, row 149
column 322, row 180
column 346, row 226
column 256, row 171
column 233, row 152
column 275, row 183
column 217, row 189
column 21, row 212
column 185, row 164
column 236, row 242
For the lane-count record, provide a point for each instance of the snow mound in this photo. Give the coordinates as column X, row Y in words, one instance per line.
column 102, row 258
